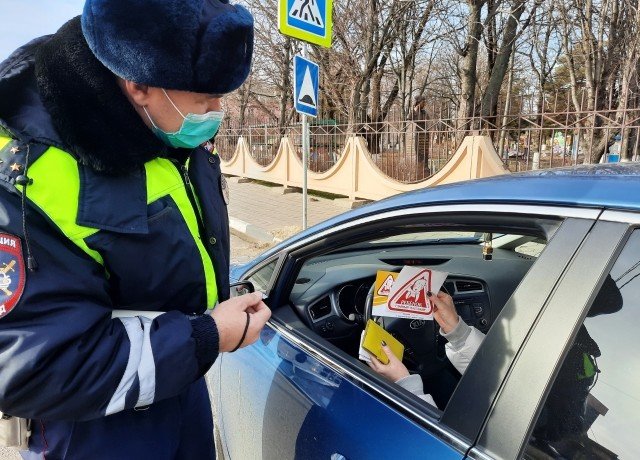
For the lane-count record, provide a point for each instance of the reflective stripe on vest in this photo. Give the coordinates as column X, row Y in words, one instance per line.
column 56, row 191
column 164, row 179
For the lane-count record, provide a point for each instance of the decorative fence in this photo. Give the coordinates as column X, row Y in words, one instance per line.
column 415, row 152
column 355, row 175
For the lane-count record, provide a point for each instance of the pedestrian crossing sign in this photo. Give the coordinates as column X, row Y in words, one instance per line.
column 306, row 75
column 308, row 20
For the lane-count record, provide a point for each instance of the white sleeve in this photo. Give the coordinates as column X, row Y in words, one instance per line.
column 413, row 383
column 464, row 341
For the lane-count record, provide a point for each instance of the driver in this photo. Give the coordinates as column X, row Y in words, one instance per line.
column 463, row 342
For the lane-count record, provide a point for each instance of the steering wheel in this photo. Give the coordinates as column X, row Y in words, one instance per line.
column 424, row 347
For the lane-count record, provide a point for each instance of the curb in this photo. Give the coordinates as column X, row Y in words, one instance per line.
column 251, row 233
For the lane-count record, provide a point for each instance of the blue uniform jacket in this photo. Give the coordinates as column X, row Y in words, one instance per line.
column 62, row 356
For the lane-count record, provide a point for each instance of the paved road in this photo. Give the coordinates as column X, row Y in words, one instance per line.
column 268, row 208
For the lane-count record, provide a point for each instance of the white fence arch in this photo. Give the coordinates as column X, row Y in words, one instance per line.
column 355, row 175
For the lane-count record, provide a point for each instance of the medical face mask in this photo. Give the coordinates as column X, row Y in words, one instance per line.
column 195, row 130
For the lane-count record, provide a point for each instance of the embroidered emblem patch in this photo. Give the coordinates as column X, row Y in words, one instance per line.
column 12, row 276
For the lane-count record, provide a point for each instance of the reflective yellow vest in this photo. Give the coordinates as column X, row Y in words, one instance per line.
column 56, row 190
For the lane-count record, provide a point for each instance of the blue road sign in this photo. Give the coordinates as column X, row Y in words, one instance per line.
column 306, row 75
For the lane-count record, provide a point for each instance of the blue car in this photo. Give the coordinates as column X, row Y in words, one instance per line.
column 546, row 264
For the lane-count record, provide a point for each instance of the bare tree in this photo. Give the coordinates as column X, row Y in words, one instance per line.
column 595, row 36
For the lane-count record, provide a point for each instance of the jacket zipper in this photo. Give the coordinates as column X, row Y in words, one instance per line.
column 182, row 168
column 196, row 209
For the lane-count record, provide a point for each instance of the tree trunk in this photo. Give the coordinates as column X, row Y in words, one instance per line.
column 499, row 71
column 470, row 61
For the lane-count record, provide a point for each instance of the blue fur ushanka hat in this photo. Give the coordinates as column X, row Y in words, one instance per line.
column 203, row 46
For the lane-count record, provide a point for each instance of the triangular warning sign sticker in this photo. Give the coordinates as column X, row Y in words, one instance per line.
column 385, row 289
column 412, row 296
column 307, row 91
column 307, row 11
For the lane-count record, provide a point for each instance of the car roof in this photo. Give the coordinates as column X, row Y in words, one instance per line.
column 614, row 186
column 607, row 186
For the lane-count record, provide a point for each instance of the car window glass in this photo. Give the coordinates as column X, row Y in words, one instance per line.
column 331, row 290
column 531, row 248
column 427, row 236
column 593, row 407
column 262, row 277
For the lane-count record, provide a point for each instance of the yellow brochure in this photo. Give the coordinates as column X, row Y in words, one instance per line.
column 384, row 283
column 374, row 335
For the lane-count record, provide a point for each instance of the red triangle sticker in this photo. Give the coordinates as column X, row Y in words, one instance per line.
column 412, row 296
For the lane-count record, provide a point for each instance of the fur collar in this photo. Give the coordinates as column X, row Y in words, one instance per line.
column 90, row 113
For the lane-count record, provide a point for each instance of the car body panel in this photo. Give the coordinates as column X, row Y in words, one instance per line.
column 281, row 401
column 567, row 239
column 292, row 405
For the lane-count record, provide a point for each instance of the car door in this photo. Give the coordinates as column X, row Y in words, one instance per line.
column 557, row 403
column 294, row 395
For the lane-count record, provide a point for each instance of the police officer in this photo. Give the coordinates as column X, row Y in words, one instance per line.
column 112, row 206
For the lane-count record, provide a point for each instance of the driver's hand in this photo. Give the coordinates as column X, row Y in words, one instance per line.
column 231, row 320
column 444, row 311
column 393, row 371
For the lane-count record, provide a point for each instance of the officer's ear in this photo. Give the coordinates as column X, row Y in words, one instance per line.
column 139, row 95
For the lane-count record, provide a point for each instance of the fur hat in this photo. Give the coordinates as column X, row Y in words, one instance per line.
column 204, row 46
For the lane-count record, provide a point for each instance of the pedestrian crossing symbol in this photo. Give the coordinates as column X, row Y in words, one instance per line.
column 307, row 11
column 308, row 20
column 306, row 75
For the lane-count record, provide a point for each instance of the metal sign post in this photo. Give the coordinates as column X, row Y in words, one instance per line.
column 305, row 159
column 310, row 21
column 305, row 82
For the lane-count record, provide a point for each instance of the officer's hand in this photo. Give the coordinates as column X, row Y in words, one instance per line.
column 393, row 371
column 444, row 311
column 231, row 320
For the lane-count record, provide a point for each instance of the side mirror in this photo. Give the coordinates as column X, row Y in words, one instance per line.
column 241, row 288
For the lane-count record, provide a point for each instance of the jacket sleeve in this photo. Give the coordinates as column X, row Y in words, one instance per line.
column 63, row 357
column 413, row 383
column 464, row 341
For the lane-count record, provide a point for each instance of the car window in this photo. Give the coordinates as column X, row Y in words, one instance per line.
column 331, row 292
column 262, row 277
column 428, row 237
column 531, row 248
column 592, row 410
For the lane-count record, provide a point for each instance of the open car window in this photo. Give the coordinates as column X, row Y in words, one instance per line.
column 331, row 289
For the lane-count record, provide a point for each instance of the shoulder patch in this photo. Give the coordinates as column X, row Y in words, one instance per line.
column 12, row 275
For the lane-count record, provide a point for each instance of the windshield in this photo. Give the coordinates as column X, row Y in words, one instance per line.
column 430, row 237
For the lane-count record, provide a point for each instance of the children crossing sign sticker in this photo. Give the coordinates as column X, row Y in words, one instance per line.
column 306, row 75
column 308, row 20
column 412, row 296
column 406, row 294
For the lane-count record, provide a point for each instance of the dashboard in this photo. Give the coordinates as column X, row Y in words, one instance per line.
column 330, row 292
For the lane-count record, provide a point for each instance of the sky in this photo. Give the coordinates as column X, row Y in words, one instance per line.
column 23, row 20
